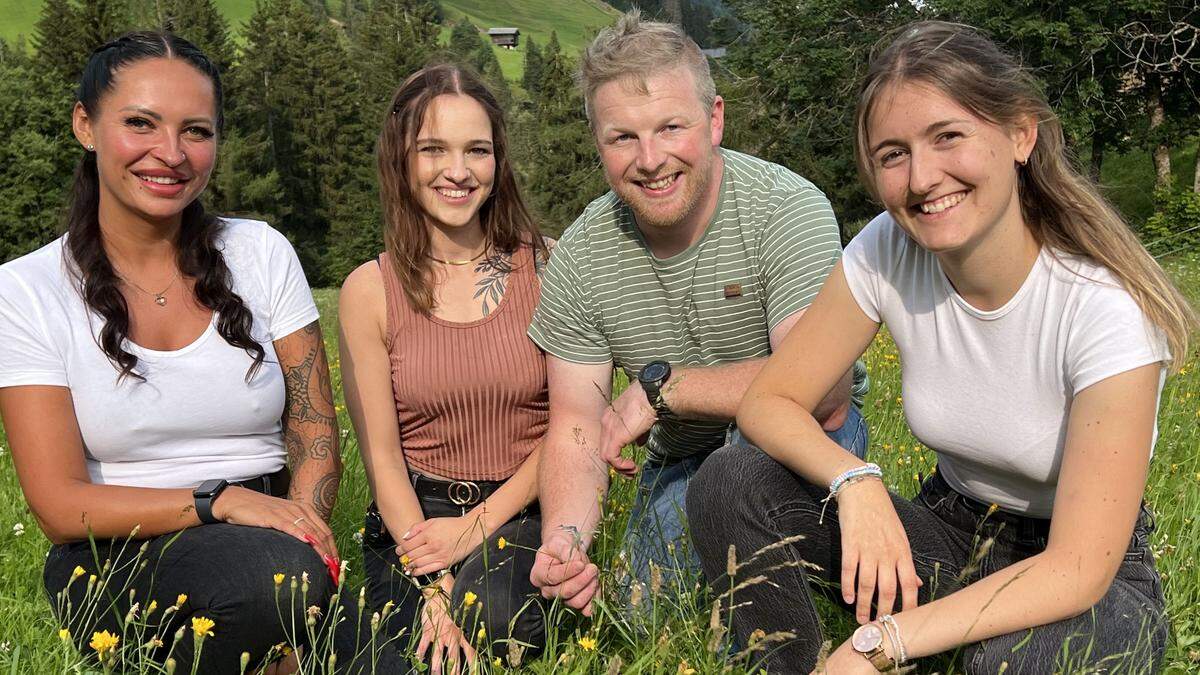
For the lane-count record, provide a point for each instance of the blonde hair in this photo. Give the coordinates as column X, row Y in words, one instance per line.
column 634, row 49
column 1062, row 208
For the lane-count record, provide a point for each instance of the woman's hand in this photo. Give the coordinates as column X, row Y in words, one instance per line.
column 439, row 632
column 875, row 551
column 239, row 506
column 845, row 661
column 437, row 543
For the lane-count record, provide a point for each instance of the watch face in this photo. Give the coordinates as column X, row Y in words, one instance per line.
column 208, row 488
column 655, row 371
column 866, row 638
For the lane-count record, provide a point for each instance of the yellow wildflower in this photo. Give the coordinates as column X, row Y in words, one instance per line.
column 279, row 577
column 588, row 644
column 482, row 634
column 993, row 508
column 180, row 599
column 469, row 599
column 151, row 607
column 497, row 662
column 501, row 543
column 77, row 572
column 104, row 642
column 202, row 626
column 64, row 635
column 404, row 560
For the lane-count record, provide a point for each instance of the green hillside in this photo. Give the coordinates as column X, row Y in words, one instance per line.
column 575, row 20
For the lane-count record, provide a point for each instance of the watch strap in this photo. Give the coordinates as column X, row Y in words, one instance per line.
column 878, row 658
column 204, row 496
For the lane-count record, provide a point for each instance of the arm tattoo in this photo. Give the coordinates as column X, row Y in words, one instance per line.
column 309, row 419
column 325, row 493
column 495, row 267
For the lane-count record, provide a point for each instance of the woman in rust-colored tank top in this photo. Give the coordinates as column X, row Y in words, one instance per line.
column 446, row 392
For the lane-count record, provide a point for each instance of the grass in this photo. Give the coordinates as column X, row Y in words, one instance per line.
column 678, row 629
column 576, row 22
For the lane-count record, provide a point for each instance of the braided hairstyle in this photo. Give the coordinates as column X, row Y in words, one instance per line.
column 198, row 255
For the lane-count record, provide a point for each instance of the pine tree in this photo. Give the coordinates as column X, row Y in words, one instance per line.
column 554, row 145
column 297, row 129
column 37, row 152
column 59, row 40
column 464, row 40
column 531, row 79
column 103, row 20
column 395, row 40
column 202, row 24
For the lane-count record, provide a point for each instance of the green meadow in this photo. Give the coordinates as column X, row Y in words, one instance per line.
column 678, row 630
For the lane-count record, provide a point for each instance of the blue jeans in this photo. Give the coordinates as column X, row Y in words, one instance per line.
column 657, row 530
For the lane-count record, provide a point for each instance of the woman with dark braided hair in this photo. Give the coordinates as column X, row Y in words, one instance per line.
column 164, row 378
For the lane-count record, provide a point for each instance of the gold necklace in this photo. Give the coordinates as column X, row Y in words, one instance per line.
column 160, row 298
column 459, row 263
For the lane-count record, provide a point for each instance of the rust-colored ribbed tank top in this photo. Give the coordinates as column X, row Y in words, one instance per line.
column 471, row 397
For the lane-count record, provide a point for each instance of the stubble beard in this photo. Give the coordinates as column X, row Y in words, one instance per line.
column 695, row 186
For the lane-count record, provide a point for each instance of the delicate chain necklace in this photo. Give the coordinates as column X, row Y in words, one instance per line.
column 160, row 298
column 459, row 263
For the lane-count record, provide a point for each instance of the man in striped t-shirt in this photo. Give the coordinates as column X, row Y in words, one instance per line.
column 687, row 273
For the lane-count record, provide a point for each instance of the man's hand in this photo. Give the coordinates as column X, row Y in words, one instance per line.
column 562, row 570
column 628, row 419
column 438, row 543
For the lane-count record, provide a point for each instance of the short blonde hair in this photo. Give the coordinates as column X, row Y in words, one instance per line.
column 634, row 49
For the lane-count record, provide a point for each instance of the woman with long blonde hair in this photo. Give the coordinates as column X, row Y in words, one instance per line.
column 1034, row 332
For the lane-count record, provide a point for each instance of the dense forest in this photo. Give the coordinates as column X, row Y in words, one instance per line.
column 306, row 88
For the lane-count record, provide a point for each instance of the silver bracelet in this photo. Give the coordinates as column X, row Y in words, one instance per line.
column 893, row 632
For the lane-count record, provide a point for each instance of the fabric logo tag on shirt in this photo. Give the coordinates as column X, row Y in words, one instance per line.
column 733, row 291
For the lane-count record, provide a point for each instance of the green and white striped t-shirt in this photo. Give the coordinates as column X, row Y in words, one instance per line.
column 768, row 248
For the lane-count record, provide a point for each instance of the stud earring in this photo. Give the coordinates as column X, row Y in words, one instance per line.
column 91, row 148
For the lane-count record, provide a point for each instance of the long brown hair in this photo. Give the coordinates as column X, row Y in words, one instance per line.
column 506, row 221
column 1062, row 208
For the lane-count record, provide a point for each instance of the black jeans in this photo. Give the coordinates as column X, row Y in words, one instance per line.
column 742, row 496
column 511, row 607
column 225, row 570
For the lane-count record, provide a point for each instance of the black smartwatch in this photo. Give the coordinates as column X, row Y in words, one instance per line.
column 205, row 494
column 652, row 378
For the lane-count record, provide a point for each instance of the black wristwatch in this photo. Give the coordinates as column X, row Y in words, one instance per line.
column 205, row 494
column 652, row 378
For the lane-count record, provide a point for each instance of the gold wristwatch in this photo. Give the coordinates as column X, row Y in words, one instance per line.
column 868, row 641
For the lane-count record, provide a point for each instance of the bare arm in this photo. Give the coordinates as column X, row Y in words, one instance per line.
column 711, row 393
column 48, row 453
column 47, row 448
column 309, row 420
column 367, row 383
column 572, row 478
column 714, row 393
column 777, row 412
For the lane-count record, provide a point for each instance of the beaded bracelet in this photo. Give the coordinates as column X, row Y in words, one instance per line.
column 849, row 477
column 893, row 633
column 857, row 472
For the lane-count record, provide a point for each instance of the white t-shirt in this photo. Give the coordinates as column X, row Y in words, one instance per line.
column 195, row 417
column 990, row 392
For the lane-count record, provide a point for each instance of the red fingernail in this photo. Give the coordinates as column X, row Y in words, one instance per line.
column 309, row 538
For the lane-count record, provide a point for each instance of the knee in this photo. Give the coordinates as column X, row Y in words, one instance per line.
column 724, row 487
